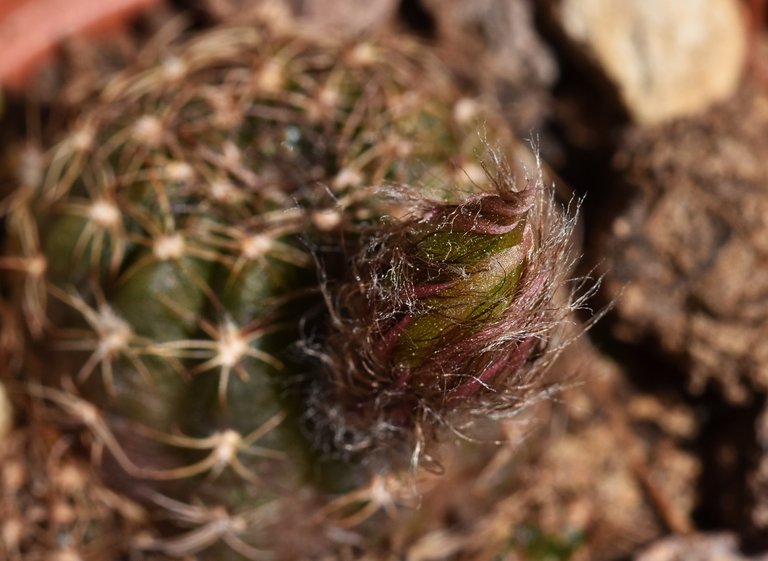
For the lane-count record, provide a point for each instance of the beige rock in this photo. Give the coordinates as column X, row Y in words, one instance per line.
column 666, row 59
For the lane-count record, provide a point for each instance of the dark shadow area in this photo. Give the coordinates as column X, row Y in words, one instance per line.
column 416, row 18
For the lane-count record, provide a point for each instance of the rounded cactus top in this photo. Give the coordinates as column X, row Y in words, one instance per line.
column 249, row 200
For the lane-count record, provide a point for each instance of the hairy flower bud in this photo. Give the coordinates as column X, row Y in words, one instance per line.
column 451, row 310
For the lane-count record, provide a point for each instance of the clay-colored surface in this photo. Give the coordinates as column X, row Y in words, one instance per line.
column 31, row 29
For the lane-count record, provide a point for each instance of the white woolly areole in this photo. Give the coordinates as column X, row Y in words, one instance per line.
column 104, row 214
column 148, row 130
column 232, row 345
column 169, row 247
column 223, row 190
column 179, row 171
column 37, row 265
column 173, row 68
column 256, row 246
column 114, row 332
column 326, row 220
column 82, row 139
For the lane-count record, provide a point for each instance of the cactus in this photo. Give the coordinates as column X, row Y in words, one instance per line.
column 249, row 262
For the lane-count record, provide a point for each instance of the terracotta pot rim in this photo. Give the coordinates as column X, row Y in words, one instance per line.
column 31, row 29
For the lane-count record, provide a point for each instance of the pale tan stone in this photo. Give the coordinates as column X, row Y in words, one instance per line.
column 666, row 59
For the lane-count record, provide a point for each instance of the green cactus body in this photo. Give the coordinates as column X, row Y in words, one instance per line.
column 170, row 236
